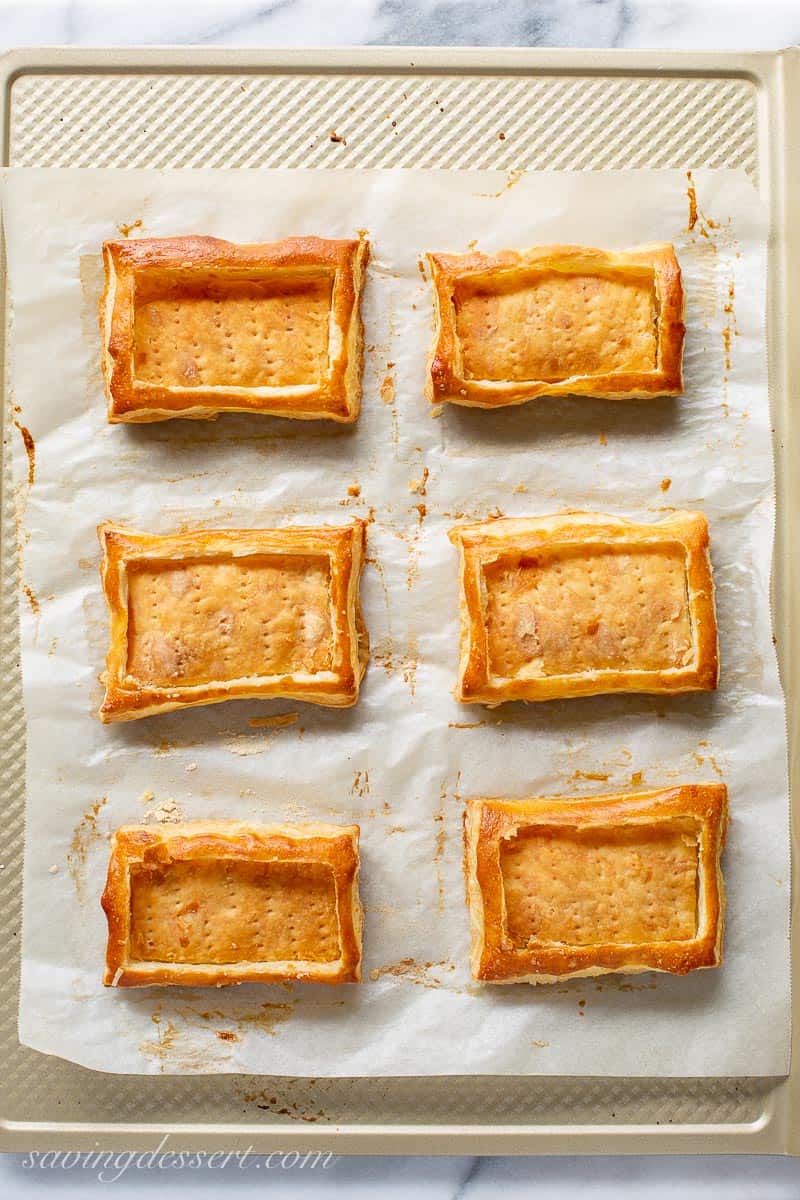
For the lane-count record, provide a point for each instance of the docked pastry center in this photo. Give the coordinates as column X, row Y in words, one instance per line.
column 569, row 611
column 195, row 621
column 227, row 911
column 552, row 325
column 595, row 887
column 195, row 329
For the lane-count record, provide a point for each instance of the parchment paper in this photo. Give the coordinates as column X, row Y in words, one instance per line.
column 402, row 760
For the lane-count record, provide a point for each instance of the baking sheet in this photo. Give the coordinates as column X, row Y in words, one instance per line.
column 399, row 762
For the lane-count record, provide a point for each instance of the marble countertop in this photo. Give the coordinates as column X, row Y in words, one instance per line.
column 724, row 24
column 727, row 24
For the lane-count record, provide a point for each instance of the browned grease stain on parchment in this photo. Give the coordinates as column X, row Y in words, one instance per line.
column 360, row 785
column 84, row 836
column 279, row 721
column 730, row 329
column 698, row 221
column 440, row 839
column 513, row 179
column 246, row 745
column 164, row 1040
column 715, row 234
column 420, row 486
column 411, row 663
column 265, row 1017
column 707, row 756
column 412, row 971
column 384, row 652
column 691, row 194
column 30, row 450
column 387, row 396
column 412, row 541
column 173, row 1038
column 32, row 599
column 387, row 388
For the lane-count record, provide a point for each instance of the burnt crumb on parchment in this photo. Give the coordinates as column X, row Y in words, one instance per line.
column 30, row 450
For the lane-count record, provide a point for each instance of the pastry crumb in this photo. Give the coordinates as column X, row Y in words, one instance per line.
column 354, row 489
column 521, row 487
column 191, row 766
column 126, row 228
column 53, row 870
column 165, row 813
column 147, row 796
column 666, row 484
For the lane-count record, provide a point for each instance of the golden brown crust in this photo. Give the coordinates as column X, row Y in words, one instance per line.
column 185, row 633
column 332, row 390
column 634, row 351
column 155, row 850
column 646, row 623
column 694, row 814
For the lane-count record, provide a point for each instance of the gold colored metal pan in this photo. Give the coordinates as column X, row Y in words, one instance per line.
column 572, row 110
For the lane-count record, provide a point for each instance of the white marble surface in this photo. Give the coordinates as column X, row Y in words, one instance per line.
column 734, row 24
column 738, row 24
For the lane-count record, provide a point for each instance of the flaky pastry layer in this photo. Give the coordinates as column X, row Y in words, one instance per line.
column 196, row 326
column 578, row 604
column 559, row 888
column 556, row 320
column 211, row 615
column 220, row 902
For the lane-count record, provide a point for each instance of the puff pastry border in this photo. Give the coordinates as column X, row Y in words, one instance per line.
column 445, row 381
column 335, row 845
column 338, row 397
column 127, row 699
column 494, row 958
column 483, row 542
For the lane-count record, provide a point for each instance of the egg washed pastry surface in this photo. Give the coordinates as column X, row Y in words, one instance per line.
column 217, row 902
column 195, row 326
column 555, row 320
column 583, row 603
column 585, row 886
column 212, row 615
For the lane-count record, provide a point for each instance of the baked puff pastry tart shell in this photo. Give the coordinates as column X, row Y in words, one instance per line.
column 556, row 320
column 579, row 604
column 222, row 614
column 221, row 902
column 196, row 326
column 623, row 883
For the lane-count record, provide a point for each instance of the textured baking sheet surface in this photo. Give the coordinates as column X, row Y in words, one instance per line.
column 716, row 122
column 548, row 122
column 403, row 759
